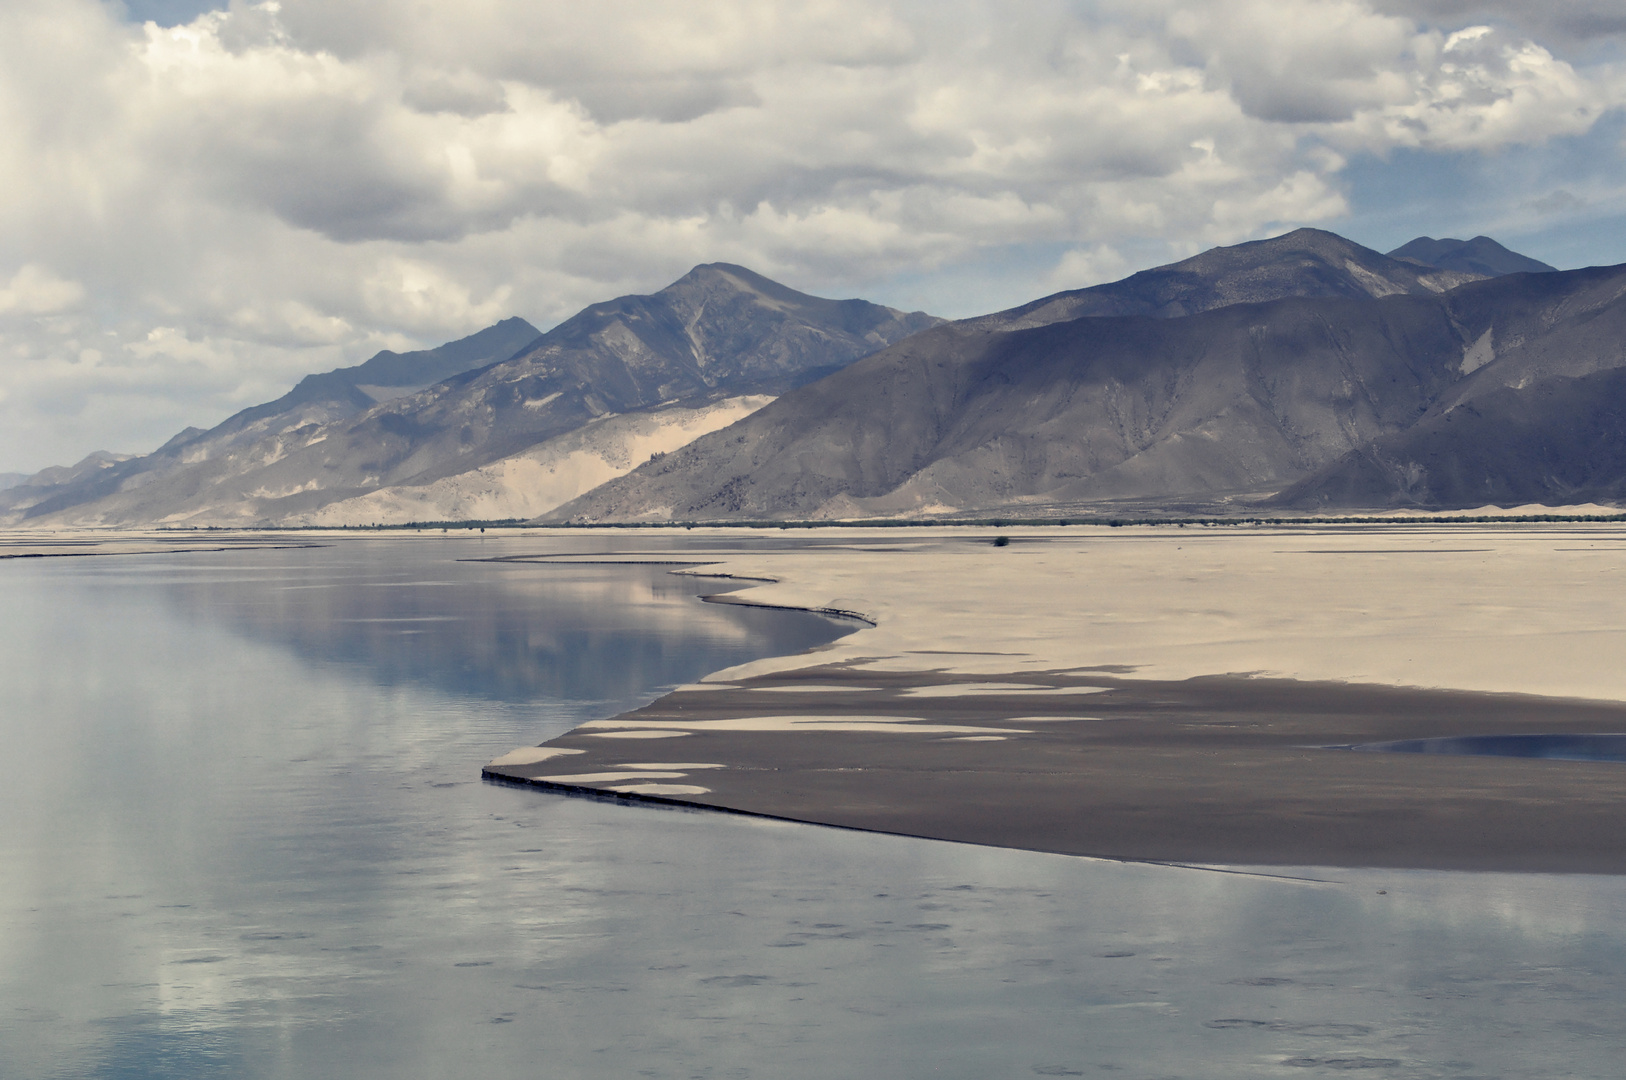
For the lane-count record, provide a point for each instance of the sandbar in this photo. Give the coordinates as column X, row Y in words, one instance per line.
column 1172, row 696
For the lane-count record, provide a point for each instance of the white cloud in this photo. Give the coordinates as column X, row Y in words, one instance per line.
column 1083, row 267
column 1484, row 93
column 34, row 290
column 283, row 187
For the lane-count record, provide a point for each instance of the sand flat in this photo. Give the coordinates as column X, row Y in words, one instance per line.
column 1520, row 616
column 1232, row 659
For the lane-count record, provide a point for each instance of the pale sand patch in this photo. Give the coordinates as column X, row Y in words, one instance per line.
column 959, row 689
column 635, row 734
column 674, row 765
column 1523, row 609
column 1068, row 690
column 976, row 738
column 543, row 476
column 1025, row 689
column 694, row 688
column 530, row 755
column 1044, row 719
column 809, row 688
column 660, row 789
column 890, row 724
column 600, row 777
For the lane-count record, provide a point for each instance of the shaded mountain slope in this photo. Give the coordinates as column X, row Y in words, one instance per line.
column 1481, row 255
column 1520, row 427
column 1247, row 398
column 1562, row 442
column 719, row 332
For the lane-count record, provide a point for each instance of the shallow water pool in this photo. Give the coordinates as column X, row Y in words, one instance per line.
column 1554, row 747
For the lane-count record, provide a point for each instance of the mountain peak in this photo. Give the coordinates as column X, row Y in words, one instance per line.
column 735, row 278
column 1305, row 237
column 1481, row 255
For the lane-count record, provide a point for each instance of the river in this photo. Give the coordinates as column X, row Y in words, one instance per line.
column 243, row 834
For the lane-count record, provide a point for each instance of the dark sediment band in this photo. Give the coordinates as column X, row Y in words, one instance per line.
column 1209, row 770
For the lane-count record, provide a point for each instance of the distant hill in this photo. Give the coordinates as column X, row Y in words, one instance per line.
column 719, row 333
column 314, row 401
column 1228, row 405
column 30, row 488
column 1481, row 255
column 346, row 391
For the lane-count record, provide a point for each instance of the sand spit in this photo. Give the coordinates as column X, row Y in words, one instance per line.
column 1171, row 694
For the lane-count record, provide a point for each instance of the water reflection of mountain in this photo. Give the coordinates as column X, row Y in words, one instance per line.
column 412, row 614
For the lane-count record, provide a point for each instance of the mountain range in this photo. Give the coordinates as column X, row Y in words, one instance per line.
column 1303, row 372
column 1171, row 393
column 511, row 423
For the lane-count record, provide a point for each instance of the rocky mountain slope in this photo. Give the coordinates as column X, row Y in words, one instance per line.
column 1236, row 402
column 720, row 333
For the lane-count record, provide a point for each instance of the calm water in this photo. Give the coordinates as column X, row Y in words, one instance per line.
column 1554, row 747
column 242, row 834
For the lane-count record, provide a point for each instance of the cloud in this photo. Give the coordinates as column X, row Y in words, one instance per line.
column 1559, row 201
column 1569, row 25
column 1083, row 267
column 34, row 290
column 286, row 186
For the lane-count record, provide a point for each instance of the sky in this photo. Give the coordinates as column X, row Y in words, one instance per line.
column 203, row 202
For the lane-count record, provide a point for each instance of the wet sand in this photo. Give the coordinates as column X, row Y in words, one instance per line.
column 1218, row 770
